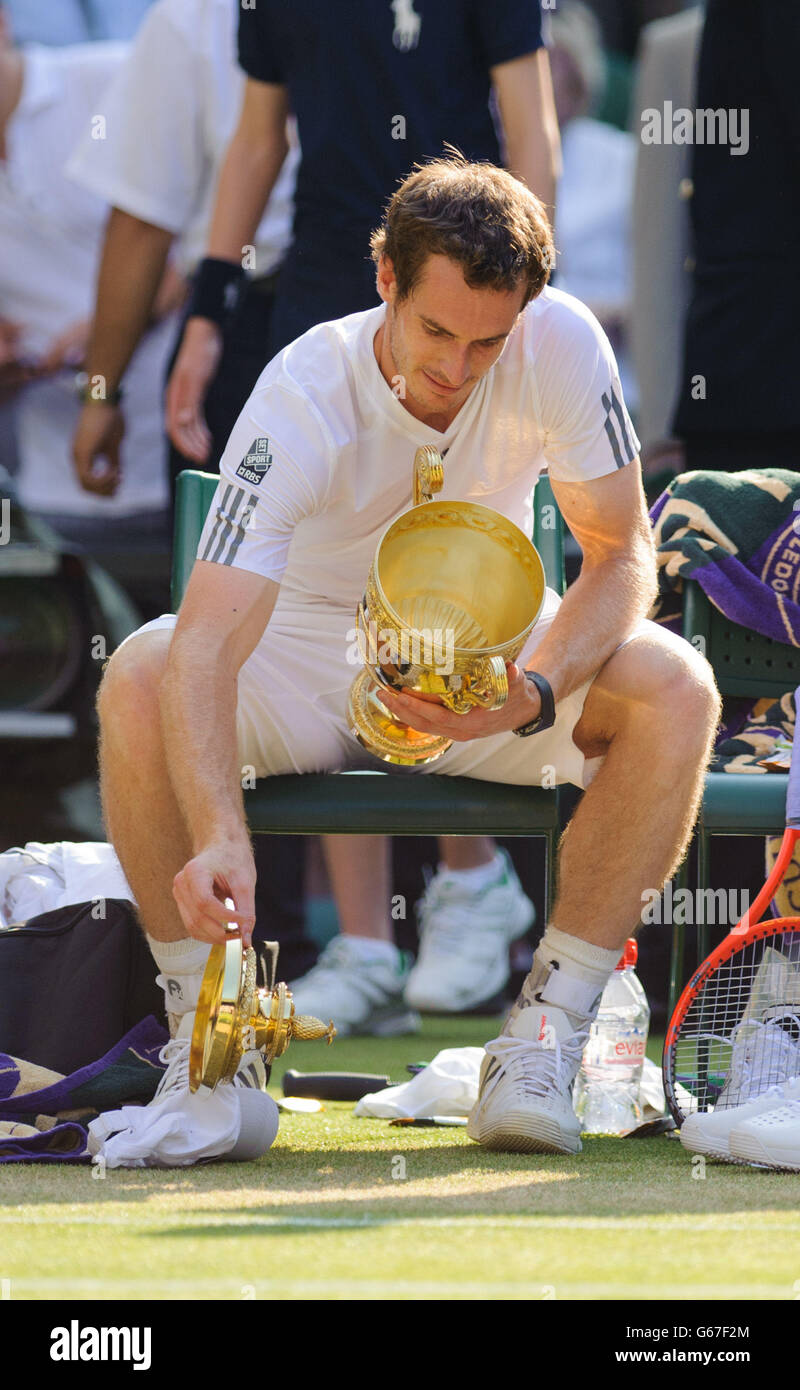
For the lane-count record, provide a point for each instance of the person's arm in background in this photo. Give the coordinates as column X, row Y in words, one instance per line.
column 524, row 92
column 132, row 271
column 249, row 173
column 151, row 171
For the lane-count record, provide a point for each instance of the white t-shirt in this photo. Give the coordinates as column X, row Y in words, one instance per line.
column 320, row 461
column 51, row 236
column 169, row 115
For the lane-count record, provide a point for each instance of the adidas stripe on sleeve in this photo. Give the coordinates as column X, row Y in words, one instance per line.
column 265, row 491
column 587, row 429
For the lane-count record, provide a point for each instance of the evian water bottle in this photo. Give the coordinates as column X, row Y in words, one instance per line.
column 606, row 1094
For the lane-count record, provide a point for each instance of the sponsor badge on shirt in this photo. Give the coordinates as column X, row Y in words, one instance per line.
column 256, row 463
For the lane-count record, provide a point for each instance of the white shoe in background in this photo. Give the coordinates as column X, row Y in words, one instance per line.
column 464, row 940
column 362, row 995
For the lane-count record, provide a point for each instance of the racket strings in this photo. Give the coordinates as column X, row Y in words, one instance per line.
column 741, row 1032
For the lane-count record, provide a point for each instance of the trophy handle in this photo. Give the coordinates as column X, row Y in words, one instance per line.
column 488, row 686
column 428, row 473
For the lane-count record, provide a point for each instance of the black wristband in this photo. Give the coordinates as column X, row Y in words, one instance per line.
column 216, row 290
column 547, row 715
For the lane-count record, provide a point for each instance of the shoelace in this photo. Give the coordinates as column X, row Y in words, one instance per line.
column 554, row 1068
column 175, row 1057
column 747, row 1051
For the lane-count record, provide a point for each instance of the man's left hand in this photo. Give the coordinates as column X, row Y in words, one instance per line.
column 428, row 715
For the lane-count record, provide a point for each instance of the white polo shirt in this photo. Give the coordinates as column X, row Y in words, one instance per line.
column 320, row 461
column 170, row 115
column 51, row 234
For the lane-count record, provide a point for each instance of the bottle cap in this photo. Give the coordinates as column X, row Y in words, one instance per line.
column 629, row 956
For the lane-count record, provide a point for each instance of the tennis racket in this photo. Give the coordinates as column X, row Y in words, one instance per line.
column 735, row 1030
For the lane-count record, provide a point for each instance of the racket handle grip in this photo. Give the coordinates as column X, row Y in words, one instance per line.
column 332, row 1085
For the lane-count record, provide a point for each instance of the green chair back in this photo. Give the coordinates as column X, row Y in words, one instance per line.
column 744, row 662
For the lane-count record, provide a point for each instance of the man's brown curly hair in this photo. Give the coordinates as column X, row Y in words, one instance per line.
column 476, row 214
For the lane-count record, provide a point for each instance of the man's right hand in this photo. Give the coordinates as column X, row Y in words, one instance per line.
column 194, row 370
column 223, row 870
column 95, row 447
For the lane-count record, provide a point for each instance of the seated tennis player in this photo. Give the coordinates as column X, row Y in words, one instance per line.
column 470, row 352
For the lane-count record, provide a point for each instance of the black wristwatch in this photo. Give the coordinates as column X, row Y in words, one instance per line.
column 547, row 716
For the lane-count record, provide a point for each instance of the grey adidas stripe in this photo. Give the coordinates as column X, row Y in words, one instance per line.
column 218, row 523
column 616, row 406
column 242, row 525
column 228, row 527
column 611, row 403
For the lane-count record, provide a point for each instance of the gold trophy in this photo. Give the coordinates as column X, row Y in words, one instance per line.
column 452, row 596
column 234, row 1016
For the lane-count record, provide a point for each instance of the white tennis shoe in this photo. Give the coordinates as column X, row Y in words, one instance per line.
column 771, row 1139
column 464, row 941
column 362, row 996
column 237, row 1121
column 524, row 1100
column 710, row 1132
column 763, row 1055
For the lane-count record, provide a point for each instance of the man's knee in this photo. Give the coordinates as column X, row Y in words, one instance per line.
column 129, row 689
column 660, row 679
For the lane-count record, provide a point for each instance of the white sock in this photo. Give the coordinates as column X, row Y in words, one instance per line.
column 181, row 967
column 563, row 990
column 580, row 958
column 369, row 948
column 475, row 880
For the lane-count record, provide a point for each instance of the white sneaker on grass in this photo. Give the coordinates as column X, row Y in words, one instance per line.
column 764, row 1068
column 464, row 940
column 362, row 995
column 771, row 1139
column 237, row 1121
column 524, row 1100
column 710, row 1132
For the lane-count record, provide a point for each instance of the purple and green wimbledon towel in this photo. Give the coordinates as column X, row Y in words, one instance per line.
column 43, row 1115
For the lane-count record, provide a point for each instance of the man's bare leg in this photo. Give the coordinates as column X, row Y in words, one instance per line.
column 466, row 851
column 359, row 868
column 652, row 711
column 651, row 714
column 142, row 817
column 145, row 825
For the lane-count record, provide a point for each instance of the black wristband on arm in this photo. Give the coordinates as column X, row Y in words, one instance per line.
column 216, row 290
column 546, row 717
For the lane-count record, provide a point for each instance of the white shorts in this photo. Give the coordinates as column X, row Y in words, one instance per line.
column 291, row 712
